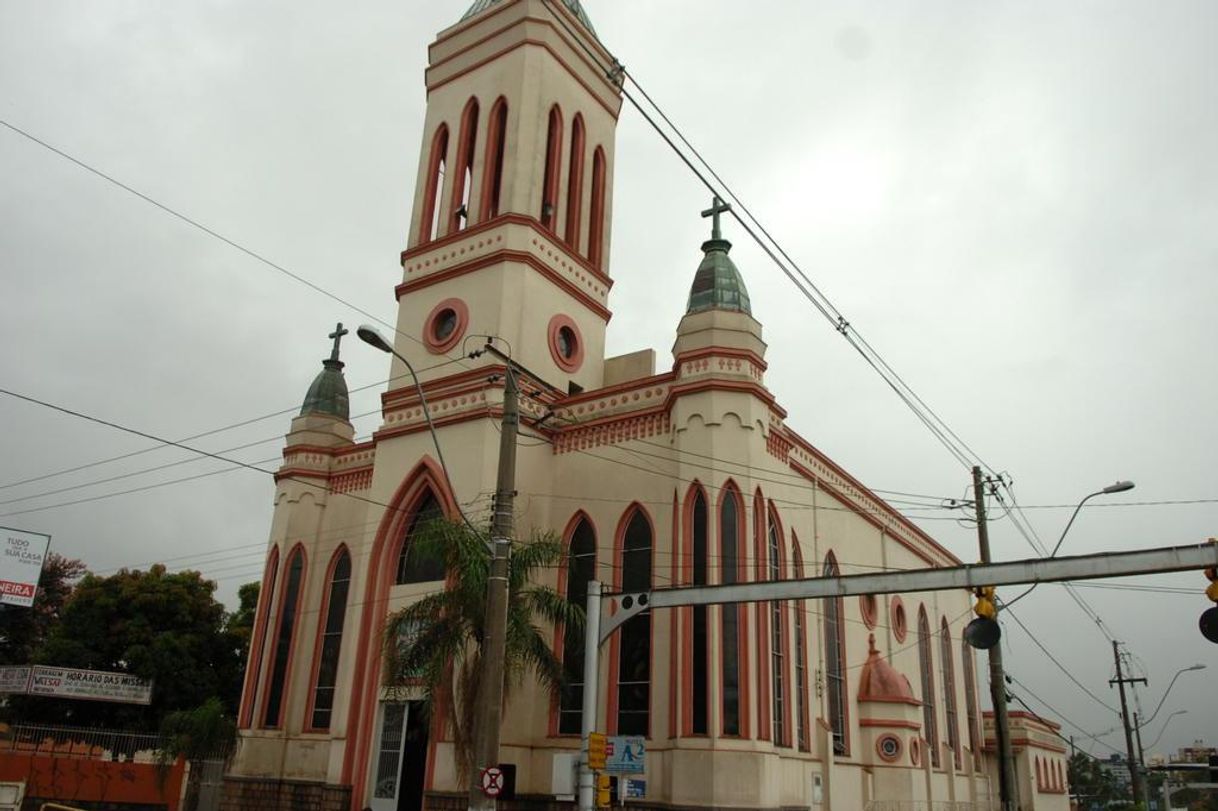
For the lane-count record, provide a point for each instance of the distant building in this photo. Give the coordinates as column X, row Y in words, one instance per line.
column 1197, row 753
column 1118, row 768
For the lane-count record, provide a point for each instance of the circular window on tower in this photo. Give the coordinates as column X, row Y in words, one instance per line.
column 566, row 344
column 445, row 325
column 888, row 747
column 869, row 609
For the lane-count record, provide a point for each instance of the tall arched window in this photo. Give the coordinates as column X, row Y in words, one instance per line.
column 496, row 142
column 835, row 658
column 634, row 666
column 801, row 656
column 258, row 643
column 699, row 723
column 553, row 168
column 970, row 698
column 335, row 613
column 273, row 715
column 930, row 719
column 429, row 219
column 575, row 183
column 581, row 567
column 414, row 567
column 731, row 533
column 596, row 216
column 463, row 177
column 778, row 668
column 949, row 691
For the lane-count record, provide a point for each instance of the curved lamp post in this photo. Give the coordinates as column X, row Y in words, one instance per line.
column 1116, row 487
column 1170, row 685
column 1164, row 729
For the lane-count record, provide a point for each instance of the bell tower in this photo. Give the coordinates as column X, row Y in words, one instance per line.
column 509, row 233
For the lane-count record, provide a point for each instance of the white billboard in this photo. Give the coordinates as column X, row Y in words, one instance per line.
column 21, row 565
column 91, row 685
column 15, row 679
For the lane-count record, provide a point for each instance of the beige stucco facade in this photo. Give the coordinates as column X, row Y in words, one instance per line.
column 609, row 442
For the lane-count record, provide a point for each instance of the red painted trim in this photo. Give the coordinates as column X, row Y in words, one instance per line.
column 439, row 154
column 879, row 748
column 493, row 160
column 831, row 561
column 926, row 659
column 596, row 219
column 952, row 721
column 441, row 346
column 764, row 709
column 253, row 666
column 716, row 351
column 563, row 569
column 883, row 722
column 585, row 397
column 619, row 538
column 801, row 628
column 322, row 617
column 575, row 183
column 285, row 699
column 381, row 571
column 558, row 323
column 464, row 162
column 731, row 490
column 498, row 257
column 553, row 170
column 870, row 609
column 787, row 676
column 683, row 575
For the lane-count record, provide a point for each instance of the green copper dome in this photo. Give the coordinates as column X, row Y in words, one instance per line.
column 573, row 6
column 328, row 393
column 717, row 284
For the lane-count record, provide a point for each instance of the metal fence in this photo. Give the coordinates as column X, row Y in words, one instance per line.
column 932, row 805
column 79, row 743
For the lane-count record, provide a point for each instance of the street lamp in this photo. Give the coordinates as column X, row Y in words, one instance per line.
column 1164, row 729
column 1168, row 690
column 1116, row 487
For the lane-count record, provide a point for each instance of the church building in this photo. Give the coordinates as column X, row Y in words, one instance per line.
column 653, row 471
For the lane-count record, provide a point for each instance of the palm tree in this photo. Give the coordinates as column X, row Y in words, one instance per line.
column 435, row 644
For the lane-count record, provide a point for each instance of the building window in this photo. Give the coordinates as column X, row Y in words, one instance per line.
column 835, row 658
column 581, row 567
column 596, row 218
column 575, row 183
column 445, row 325
column 429, row 219
column 730, row 534
column 634, row 666
column 496, row 141
column 970, row 698
column 463, row 178
column 412, row 566
column 699, row 718
column 265, row 600
column 778, row 670
column 331, row 641
column 949, row 691
column 930, row 720
column 900, row 626
column 272, row 717
column 801, row 658
column 549, row 183
column 566, row 345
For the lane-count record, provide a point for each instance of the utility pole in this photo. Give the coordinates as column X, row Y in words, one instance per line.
column 1137, row 734
column 1008, row 789
column 490, row 689
column 1135, row 775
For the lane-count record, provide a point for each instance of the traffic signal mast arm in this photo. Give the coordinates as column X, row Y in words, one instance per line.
column 975, row 576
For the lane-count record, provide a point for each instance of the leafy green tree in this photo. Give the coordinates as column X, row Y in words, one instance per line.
column 238, row 629
column 435, row 643
column 22, row 630
column 198, row 735
column 154, row 624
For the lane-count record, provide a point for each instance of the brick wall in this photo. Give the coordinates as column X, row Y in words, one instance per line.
column 265, row 794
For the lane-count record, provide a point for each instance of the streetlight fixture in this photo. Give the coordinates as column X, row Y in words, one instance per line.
column 1164, row 729
column 1170, row 685
column 1115, row 487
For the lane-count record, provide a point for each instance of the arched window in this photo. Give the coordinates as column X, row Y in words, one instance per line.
column 835, row 658
column 801, row 656
column 575, row 182
column 553, row 168
column 930, row 720
column 258, row 643
column 492, row 179
column 463, row 178
column 335, row 613
column 949, row 691
column 970, row 698
column 429, row 219
column 778, row 669
column 699, row 723
column 273, row 716
column 596, row 217
column 581, row 567
column 414, row 567
column 731, row 533
column 634, row 666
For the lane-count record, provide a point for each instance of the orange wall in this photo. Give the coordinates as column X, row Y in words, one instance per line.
column 67, row 779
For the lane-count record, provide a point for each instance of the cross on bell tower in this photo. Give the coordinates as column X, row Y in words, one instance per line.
column 337, row 335
column 717, row 207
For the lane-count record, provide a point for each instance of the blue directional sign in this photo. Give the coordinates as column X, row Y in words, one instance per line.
column 625, row 754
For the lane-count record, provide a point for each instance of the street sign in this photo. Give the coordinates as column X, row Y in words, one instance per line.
column 633, row 788
column 597, row 746
column 625, row 754
column 492, row 781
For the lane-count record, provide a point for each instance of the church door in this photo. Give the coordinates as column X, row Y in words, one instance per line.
column 400, row 765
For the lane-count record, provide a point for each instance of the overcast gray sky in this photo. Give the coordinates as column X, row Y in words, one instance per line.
column 1015, row 203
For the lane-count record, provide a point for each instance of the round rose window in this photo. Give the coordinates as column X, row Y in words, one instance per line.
column 445, row 325
column 566, row 345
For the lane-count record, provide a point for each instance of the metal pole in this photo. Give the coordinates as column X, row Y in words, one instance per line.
column 1137, row 733
column 1134, row 777
column 592, row 673
column 490, row 689
column 1008, row 788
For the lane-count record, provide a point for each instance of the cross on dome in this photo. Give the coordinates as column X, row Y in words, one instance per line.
column 337, row 335
column 717, row 208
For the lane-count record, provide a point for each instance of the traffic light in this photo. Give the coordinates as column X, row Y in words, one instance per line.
column 597, row 748
column 983, row 632
column 1209, row 617
column 603, row 784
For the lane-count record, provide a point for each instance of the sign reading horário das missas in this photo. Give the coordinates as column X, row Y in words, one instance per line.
column 70, row 682
column 21, row 557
